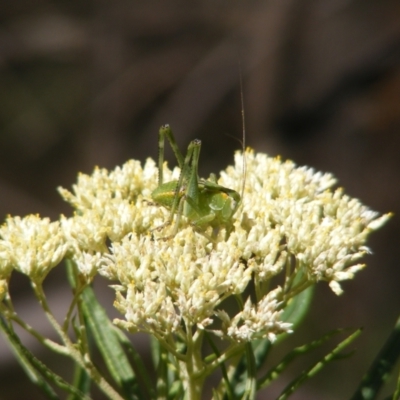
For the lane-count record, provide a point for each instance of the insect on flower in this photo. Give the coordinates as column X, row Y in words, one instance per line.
column 202, row 201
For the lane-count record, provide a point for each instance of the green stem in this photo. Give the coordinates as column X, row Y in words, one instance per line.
column 169, row 347
column 192, row 369
column 53, row 346
column 82, row 360
column 234, row 350
column 74, row 302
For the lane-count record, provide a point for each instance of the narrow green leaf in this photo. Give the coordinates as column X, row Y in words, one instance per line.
column 227, row 384
column 108, row 344
column 162, row 373
column 261, row 349
column 333, row 355
column 36, row 370
column 22, row 355
column 251, row 380
column 81, row 381
column 106, row 338
column 276, row 371
column 155, row 350
column 139, row 366
column 380, row 369
column 396, row 394
column 297, row 308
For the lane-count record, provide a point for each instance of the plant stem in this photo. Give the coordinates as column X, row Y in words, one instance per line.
column 82, row 360
column 191, row 369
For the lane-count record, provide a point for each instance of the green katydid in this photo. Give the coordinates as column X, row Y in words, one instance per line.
column 203, row 202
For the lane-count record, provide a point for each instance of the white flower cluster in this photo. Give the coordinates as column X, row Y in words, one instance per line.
column 169, row 283
column 295, row 214
column 31, row 245
column 288, row 220
column 255, row 321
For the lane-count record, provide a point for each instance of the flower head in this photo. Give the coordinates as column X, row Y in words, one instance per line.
column 31, row 245
column 289, row 220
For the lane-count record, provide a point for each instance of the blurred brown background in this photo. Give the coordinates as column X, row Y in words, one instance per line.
column 86, row 83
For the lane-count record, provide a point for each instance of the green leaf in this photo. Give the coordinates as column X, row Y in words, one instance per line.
column 396, row 394
column 139, row 366
column 228, row 388
column 276, row 371
column 237, row 385
column 81, row 381
column 297, row 308
column 333, row 355
column 36, row 370
column 106, row 338
column 107, row 341
column 160, row 357
column 380, row 369
column 250, row 391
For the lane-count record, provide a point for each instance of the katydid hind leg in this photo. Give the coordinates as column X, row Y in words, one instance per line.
column 165, row 132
